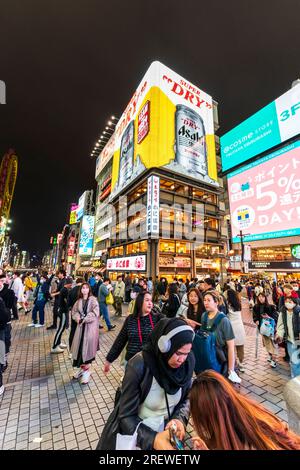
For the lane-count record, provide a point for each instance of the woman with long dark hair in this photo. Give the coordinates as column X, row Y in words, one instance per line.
column 135, row 330
column 172, row 303
column 235, row 317
column 263, row 310
column 226, row 420
column 193, row 313
column 85, row 343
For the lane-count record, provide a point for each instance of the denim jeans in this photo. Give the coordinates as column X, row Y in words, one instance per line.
column 39, row 307
column 294, row 353
column 105, row 314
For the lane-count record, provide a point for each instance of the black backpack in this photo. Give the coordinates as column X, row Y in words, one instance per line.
column 5, row 316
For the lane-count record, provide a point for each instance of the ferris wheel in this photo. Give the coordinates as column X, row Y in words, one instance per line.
column 8, row 176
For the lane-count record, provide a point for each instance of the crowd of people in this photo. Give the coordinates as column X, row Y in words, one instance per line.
column 181, row 346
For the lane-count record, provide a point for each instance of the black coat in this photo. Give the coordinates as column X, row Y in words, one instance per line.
column 267, row 310
column 8, row 296
column 124, row 418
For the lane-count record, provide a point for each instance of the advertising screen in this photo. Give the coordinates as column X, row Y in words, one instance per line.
column 264, row 196
column 87, row 235
column 81, row 206
column 168, row 123
column 272, row 125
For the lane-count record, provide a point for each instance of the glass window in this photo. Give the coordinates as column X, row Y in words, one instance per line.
column 167, row 246
column 183, row 248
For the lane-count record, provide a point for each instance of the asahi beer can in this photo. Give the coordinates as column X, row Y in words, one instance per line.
column 190, row 147
column 126, row 155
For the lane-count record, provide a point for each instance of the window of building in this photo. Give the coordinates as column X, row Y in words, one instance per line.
column 138, row 247
column 117, row 251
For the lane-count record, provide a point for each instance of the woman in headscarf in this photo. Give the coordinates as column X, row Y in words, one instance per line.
column 154, row 394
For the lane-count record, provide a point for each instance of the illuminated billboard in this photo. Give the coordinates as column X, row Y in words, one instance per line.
column 264, row 196
column 87, row 235
column 272, row 125
column 168, row 123
column 81, row 206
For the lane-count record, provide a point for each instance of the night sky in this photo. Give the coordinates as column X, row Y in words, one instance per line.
column 68, row 65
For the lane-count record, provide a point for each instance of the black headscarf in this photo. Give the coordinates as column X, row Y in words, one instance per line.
column 170, row 379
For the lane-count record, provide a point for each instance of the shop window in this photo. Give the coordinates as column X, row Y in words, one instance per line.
column 138, row 247
column 167, row 247
column 117, row 251
column 183, row 248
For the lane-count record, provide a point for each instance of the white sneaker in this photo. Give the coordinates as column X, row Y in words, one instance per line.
column 63, row 346
column 31, row 324
column 233, row 377
column 85, row 377
column 78, row 374
column 38, row 325
column 56, row 350
column 273, row 364
column 241, row 368
column 1, row 390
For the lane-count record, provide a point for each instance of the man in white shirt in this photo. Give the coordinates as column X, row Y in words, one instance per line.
column 17, row 286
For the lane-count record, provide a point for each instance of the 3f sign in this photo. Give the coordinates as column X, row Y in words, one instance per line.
column 290, row 112
column 2, row 92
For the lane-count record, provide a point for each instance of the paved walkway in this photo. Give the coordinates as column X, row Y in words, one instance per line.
column 43, row 408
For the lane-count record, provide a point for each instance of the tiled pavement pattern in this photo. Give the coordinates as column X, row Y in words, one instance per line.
column 43, row 408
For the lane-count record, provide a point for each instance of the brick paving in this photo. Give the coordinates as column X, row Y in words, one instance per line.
column 43, row 408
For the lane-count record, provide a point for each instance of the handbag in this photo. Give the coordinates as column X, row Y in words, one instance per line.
column 127, row 442
column 267, row 327
column 109, row 299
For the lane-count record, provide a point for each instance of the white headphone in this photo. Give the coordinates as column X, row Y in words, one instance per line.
column 164, row 342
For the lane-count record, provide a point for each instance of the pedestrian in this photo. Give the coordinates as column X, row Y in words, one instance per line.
column 104, row 290
column 295, row 286
column 17, row 286
column 60, row 284
column 4, row 319
column 86, row 339
column 235, row 317
column 72, row 299
column 41, row 296
column 201, row 286
column 98, row 282
column 210, row 285
column 135, row 330
column 226, row 420
column 182, row 288
column 172, row 302
column 216, row 322
column 288, row 291
column 92, row 281
column 8, row 296
column 155, row 388
column 28, row 290
column 119, row 294
column 128, row 287
column 150, row 285
column 63, row 314
column 262, row 310
column 195, row 309
column 288, row 329
column 162, row 286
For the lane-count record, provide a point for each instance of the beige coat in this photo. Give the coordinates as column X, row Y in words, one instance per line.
column 91, row 333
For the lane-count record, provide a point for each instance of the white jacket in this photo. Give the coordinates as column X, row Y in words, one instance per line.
column 17, row 286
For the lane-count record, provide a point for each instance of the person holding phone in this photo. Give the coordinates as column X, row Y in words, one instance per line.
column 155, row 388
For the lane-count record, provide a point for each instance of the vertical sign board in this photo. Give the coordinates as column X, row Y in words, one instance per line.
column 153, row 206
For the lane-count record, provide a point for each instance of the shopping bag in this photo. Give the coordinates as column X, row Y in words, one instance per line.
column 109, row 299
column 127, row 442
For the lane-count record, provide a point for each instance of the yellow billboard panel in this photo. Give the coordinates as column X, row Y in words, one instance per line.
column 168, row 123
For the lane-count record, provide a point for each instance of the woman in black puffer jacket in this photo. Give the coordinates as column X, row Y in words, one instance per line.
column 135, row 330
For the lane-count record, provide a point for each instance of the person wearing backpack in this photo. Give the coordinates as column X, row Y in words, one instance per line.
column 262, row 310
column 41, row 296
column 288, row 329
column 214, row 342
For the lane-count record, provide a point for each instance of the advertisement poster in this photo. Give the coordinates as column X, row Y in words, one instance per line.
column 153, row 205
column 87, row 235
column 81, row 206
column 168, row 123
column 264, row 196
column 130, row 263
column 272, row 125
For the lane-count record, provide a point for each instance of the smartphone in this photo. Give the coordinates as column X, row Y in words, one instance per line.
column 176, row 443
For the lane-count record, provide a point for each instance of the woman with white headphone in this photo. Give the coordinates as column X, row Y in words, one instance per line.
column 154, row 395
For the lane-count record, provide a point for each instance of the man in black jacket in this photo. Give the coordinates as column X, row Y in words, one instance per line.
column 8, row 297
column 60, row 285
column 58, row 346
column 4, row 320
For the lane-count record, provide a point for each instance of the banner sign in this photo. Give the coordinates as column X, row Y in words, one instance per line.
column 129, row 263
column 87, row 235
column 272, row 125
column 153, row 205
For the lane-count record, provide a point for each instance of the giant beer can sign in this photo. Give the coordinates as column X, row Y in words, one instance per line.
column 168, row 124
